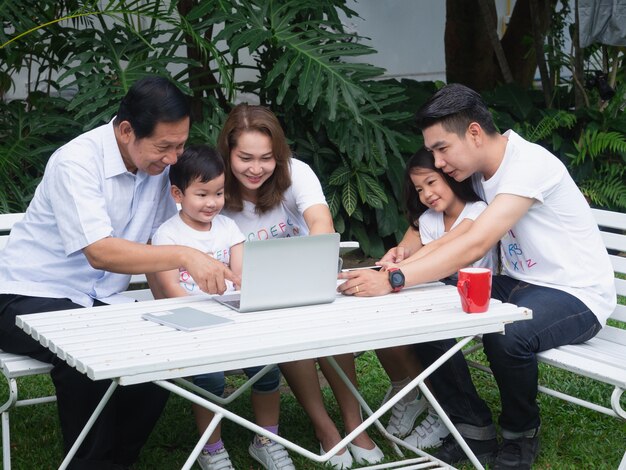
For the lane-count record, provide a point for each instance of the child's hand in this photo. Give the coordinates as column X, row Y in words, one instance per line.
column 385, row 266
column 395, row 255
column 208, row 273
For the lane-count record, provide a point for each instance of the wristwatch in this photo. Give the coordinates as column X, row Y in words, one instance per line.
column 396, row 279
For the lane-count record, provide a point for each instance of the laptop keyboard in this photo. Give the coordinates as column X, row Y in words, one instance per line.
column 232, row 303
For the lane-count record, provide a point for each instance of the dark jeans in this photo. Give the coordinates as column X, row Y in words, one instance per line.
column 124, row 425
column 558, row 318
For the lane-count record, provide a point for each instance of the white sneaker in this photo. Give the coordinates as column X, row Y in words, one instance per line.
column 429, row 433
column 220, row 460
column 403, row 416
column 271, row 455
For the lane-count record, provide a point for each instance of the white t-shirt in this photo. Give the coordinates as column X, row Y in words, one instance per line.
column 86, row 194
column 286, row 219
column 216, row 242
column 557, row 243
column 431, row 227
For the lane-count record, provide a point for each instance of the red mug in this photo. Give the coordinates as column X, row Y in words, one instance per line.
column 474, row 286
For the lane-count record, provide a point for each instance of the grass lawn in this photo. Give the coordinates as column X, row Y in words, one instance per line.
column 572, row 437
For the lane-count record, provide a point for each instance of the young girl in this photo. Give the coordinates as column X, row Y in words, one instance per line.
column 270, row 195
column 197, row 184
column 439, row 208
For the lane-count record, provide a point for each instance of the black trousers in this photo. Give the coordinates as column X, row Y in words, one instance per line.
column 124, row 425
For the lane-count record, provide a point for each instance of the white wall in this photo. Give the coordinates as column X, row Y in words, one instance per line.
column 409, row 34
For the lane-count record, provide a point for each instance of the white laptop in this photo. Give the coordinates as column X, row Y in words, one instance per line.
column 286, row 272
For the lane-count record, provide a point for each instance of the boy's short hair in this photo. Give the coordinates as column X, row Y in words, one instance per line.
column 455, row 107
column 149, row 101
column 198, row 162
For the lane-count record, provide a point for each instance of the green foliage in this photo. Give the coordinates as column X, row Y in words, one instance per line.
column 334, row 108
column 27, row 139
column 354, row 128
column 552, row 121
column 594, row 143
column 590, row 141
column 606, row 188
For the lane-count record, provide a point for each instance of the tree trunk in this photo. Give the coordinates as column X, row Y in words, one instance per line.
column 470, row 57
column 517, row 40
column 201, row 77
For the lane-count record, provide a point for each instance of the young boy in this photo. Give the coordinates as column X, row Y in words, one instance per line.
column 197, row 185
column 554, row 262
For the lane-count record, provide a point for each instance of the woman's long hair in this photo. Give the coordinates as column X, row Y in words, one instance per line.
column 254, row 118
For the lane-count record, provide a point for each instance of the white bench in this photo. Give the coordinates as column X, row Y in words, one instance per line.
column 602, row 358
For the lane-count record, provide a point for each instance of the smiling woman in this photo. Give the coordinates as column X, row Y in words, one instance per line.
column 269, row 194
column 257, row 158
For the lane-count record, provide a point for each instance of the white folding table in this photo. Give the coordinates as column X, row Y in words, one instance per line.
column 114, row 342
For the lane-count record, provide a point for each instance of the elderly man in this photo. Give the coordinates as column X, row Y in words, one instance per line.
column 85, row 232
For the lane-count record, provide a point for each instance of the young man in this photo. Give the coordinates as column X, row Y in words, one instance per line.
column 85, row 232
column 554, row 263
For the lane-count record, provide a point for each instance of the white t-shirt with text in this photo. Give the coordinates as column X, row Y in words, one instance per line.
column 431, row 227
column 557, row 243
column 286, row 219
column 216, row 242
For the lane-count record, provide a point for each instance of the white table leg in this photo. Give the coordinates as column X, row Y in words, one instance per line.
column 217, row 409
column 331, row 360
column 417, row 382
column 435, row 404
column 217, row 417
column 81, row 437
column 372, row 419
column 233, row 396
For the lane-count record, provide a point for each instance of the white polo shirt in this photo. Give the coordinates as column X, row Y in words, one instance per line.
column 85, row 195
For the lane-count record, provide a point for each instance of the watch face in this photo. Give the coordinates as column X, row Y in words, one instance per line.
column 396, row 279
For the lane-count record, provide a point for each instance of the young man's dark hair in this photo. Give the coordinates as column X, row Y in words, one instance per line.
column 455, row 107
column 149, row 101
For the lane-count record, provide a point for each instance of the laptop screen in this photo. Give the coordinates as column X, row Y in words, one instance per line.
column 288, row 272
